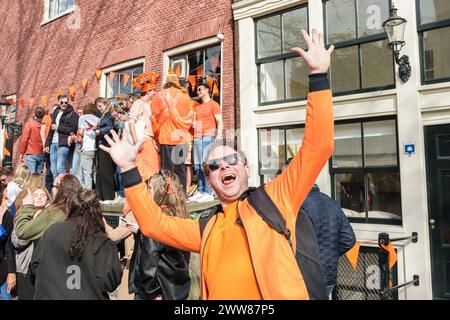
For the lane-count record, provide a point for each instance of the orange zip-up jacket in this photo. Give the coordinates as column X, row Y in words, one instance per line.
column 274, row 265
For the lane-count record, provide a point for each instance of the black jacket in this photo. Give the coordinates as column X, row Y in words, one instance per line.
column 334, row 233
column 67, row 124
column 105, row 126
column 158, row 269
column 58, row 277
column 7, row 253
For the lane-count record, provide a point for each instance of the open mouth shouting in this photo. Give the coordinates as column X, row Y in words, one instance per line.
column 228, row 178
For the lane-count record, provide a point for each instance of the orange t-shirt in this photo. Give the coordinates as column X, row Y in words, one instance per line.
column 47, row 121
column 168, row 133
column 205, row 122
column 229, row 273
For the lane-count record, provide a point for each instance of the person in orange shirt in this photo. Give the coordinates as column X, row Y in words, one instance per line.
column 241, row 256
column 208, row 125
column 173, row 119
column 140, row 125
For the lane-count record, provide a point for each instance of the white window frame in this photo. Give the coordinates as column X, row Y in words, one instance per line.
column 117, row 67
column 46, row 16
column 191, row 47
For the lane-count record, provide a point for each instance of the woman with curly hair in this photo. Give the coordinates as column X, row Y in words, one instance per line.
column 75, row 259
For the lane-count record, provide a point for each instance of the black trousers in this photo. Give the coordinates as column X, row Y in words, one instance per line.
column 105, row 184
column 25, row 288
column 173, row 158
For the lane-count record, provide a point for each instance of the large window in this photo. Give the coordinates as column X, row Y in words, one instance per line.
column 276, row 145
column 282, row 75
column 433, row 23
column 201, row 65
column 57, row 7
column 365, row 171
column 361, row 61
column 118, row 83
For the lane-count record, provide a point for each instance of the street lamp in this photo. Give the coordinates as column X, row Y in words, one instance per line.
column 395, row 29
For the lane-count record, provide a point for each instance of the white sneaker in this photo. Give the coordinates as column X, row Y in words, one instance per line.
column 106, row 202
column 205, row 198
column 118, row 200
column 196, row 196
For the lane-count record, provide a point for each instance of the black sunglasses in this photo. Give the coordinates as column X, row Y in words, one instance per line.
column 231, row 159
column 64, row 102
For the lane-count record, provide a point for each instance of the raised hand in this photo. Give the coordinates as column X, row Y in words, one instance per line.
column 317, row 57
column 121, row 151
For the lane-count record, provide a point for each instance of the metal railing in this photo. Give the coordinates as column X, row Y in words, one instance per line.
column 372, row 279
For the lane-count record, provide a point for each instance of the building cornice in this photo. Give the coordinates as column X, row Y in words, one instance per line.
column 254, row 8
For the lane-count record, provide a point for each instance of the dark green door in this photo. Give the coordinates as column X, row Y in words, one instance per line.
column 438, row 178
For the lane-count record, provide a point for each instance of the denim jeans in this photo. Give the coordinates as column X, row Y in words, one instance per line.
column 54, row 159
column 35, row 162
column 4, row 295
column 76, row 164
column 63, row 156
column 87, row 164
column 119, row 182
column 200, row 148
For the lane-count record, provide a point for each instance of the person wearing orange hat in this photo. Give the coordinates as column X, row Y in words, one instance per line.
column 173, row 118
column 140, row 125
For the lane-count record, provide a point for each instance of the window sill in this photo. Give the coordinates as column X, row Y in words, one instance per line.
column 65, row 13
column 280, row 106
column 434, row 86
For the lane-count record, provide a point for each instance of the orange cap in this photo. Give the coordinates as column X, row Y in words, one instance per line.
column 145, row 81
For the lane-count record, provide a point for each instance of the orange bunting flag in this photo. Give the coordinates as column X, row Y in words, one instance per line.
column 6, row 152
column 392, row 254
column 126, row 77
column 21, row 103
column 84, row 83
column 353, row 254
column 57, row 93
column 44, row 101
column 215, row 90
column 72, row 91
column 178, row 71
column 111, row 76
column 192, row 80
column 31, row 103
column 98, row 74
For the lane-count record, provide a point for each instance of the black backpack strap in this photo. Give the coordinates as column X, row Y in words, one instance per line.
column 204, row 219
column 266, row 209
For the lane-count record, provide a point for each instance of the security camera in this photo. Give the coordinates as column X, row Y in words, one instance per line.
column 220, row 36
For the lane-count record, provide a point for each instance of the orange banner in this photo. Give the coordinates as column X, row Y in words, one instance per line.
column 72, row 91
column 392, row 254
column 21, row 103
column 192, row 80
column 31, row 103
column 57, row 93
column 352, row 255
column 178, row 71
column 98, row 74
column 84, row 83
column 44, row 101
column 126, row 77
column 6, row 152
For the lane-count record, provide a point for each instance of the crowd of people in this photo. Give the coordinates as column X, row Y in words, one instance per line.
column 56, row 244
column 175, row 129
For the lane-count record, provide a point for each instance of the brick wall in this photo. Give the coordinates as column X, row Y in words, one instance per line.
column 38, row 60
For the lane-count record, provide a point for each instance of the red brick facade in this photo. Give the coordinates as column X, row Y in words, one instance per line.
column 38, row 60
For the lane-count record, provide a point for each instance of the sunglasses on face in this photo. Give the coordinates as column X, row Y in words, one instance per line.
column 231, row 159
column 64, row 102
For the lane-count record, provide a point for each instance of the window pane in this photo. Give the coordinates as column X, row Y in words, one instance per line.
column 212, row 65
column 125, row 88
column 293, row 22
column 347, row 146
column 384, row 199
column 371, row 15
column 340, row 20
column 344, row 69
column 268, row 35
column 380, row 143
column 271, row 77
column 349, row 191
column 294, row 139
column 53, row 8
column 62, row 5
column 377, row 64
column 434, row 10
column 271, row 151
column 195, row 63
column 297, row 81
column 436, row 46
column 136, row 71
